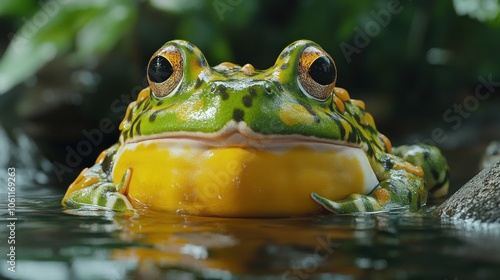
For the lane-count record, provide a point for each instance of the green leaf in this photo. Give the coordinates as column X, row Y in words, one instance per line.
column 104, row 30
column 16, row 7
column 52, row 29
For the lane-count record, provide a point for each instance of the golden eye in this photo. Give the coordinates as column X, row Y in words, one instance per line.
column 165, row 71
column 316, row 73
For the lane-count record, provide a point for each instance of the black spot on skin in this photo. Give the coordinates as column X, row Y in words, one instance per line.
column 409, row 197
column 427, row 155
column 238, row 115
column 107, row 163
column 202, row 62
column 353, row 137
column 310, row 110
column 439, row 185
column 223, row 92
column 357, row 118
column 388, row 164
column 285, row 53
column 284, row 66
column 253, row 92
column 146, row 106
column 337, row 122
column 152, row 117
column 278, row 86
column 435, row 174
column 247, row 100
column 189, row 48
column 138, row 128
column 198, row 83
column 160, row 102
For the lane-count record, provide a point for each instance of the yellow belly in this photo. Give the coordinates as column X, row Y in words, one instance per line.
column 192, row 177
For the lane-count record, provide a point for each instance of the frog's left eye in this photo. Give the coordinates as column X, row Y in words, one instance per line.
column 316, row 73
column 165, row 71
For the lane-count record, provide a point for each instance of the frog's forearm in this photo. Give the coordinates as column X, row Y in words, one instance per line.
column 401, row 185
column 103, row 195
column 399, row 191
column 94, row 187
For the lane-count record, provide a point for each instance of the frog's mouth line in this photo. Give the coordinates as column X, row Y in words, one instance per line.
column 240, row 134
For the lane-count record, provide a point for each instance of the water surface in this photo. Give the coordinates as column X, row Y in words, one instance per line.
column 55, row 244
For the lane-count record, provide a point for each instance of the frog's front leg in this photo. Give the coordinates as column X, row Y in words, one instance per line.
column 93, row 187
column 401, row 184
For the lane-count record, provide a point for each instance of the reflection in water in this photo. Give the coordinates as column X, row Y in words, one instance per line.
column 53, row 244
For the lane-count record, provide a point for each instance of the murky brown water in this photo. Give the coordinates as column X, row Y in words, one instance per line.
column 54, row 244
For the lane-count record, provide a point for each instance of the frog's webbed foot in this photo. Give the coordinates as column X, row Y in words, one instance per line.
column 351, row 204
column 103, row 194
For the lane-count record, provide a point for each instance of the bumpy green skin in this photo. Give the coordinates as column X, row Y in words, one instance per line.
column 209, row 98
column 432, row 162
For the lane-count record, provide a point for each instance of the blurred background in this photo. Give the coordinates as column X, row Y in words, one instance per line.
column 428, row 71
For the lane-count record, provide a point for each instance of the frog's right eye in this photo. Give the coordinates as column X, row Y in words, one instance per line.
column 165, row 71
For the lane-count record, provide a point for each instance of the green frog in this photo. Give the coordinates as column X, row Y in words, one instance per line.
column 233, row 141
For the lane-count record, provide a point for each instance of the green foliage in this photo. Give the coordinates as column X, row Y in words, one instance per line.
column 84, row 28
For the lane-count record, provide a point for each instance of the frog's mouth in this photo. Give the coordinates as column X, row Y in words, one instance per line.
column 239, row 134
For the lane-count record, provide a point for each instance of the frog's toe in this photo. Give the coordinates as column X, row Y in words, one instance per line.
column 353, row 203
column 114, row 201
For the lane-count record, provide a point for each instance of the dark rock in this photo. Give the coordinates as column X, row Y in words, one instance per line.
column 478, row 200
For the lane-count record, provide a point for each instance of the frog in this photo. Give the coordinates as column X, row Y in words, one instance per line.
column 234, row 141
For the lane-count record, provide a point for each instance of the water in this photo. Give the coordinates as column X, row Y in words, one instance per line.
column 52, row 243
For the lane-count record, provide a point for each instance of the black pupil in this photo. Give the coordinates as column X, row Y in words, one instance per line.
column 322, row 71
column 160, row 69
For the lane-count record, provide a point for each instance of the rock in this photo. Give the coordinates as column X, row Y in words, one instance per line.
column 478, row 200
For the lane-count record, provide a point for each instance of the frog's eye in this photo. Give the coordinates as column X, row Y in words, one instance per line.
column 316, row 73
column 165, row 71
column 160, row 69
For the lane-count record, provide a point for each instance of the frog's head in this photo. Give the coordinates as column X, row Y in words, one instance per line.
column 295, row 99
